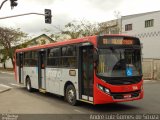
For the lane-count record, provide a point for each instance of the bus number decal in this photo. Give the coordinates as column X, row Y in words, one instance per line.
column 55, row 73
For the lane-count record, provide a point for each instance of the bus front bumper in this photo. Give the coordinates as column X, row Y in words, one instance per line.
column 117, row 94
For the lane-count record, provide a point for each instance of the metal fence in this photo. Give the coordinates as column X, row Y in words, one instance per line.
column 151, row 69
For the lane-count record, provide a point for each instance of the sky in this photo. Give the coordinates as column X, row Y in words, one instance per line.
column 64, row 11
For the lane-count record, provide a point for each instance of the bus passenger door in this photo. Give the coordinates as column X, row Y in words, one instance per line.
column 20, row 67
column 41, row 69
column 86, row 73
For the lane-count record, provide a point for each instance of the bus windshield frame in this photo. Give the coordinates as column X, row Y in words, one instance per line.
column 123, row 60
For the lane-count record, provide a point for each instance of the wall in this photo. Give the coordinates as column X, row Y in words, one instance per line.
column 150, row 37
column 151, row 69
column 8, row 64
column 111, row 27
column 39, row 41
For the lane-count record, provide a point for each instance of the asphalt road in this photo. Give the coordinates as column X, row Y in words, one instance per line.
column 19, row 101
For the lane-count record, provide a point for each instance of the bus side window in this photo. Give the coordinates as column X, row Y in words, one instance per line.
column 53, row 57
column 73, row 59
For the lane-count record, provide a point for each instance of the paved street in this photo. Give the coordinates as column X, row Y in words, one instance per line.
column 19, row 100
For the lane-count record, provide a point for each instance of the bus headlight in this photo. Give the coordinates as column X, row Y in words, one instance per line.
column 106, row 90
column 100, row 87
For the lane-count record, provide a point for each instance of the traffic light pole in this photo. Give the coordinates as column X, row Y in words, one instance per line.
column 22, row 15
column 13, row 3
column 3, row 3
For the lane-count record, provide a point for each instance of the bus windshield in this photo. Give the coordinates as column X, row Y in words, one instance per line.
column 119, row 62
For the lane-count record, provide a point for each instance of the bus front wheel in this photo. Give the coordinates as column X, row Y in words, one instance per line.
column 71, row 95
column 28, row 84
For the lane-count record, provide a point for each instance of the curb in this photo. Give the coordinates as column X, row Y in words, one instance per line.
column 150, row 81
column 2, row 91
column 4, row 88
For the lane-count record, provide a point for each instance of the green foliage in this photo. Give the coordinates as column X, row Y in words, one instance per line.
column 83, row 28
column 9, row 37
column 4, row 55
column 76, row 29
column 73, row 30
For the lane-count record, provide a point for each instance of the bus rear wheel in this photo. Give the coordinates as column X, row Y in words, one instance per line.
column 70, row 95
column 28, row 84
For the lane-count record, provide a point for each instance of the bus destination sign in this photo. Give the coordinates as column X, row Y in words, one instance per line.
column 118, row 41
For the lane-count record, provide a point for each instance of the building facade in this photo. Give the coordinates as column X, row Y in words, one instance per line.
column 40, row 40
column 111, row 27
column 145, row 26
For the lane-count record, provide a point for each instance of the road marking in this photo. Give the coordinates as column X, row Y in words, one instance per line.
column 78, row 111
column 17, row 85
column 5, row 86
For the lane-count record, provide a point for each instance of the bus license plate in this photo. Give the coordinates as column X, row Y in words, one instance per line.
column 127, row 96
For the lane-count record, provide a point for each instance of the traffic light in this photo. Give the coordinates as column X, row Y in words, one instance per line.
column 13, row 3
column 48, row 16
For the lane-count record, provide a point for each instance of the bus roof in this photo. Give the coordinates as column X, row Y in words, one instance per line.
column 67, row 42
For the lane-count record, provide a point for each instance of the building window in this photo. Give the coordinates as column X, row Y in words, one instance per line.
column 149, row 23
column 128, row 27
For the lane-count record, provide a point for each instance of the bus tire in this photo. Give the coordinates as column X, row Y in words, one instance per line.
column 28, row 84
column 70, row 95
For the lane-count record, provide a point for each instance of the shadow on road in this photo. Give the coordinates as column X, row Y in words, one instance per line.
column 109, row 108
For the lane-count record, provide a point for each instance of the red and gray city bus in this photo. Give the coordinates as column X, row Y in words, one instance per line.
column 95, row 69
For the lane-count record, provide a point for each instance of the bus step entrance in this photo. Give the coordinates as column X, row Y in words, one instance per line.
column 42, row 90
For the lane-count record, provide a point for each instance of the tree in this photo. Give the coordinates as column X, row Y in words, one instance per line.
column 3, row 57
column 56, row 36
column 73, row 30
column 82, row 28
column 117, row 15
column 76, row 29
column 8, row 39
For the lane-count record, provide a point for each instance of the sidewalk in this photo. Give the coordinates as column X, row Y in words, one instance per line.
column 4, row 88
column 8, row 71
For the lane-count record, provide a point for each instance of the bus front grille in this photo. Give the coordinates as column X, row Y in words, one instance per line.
column 121, row 95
